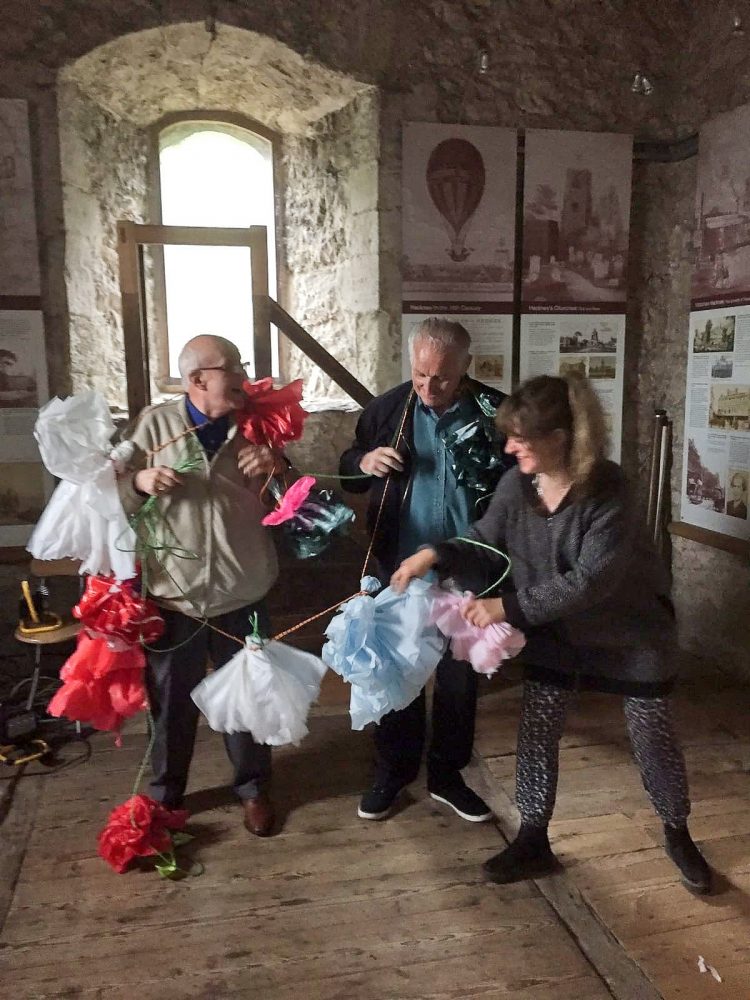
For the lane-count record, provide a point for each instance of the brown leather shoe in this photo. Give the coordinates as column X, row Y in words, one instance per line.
column 259, row 815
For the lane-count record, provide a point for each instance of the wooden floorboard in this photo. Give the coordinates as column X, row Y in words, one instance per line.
column 610, row 841
column 19, row 802
column 334, row 907
column 330, row 907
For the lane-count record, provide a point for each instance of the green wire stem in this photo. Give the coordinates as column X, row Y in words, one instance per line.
column 498, row 552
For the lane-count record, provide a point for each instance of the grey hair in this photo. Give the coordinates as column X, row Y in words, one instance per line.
column 187, row 363
column 445, row 334
column 194, row 353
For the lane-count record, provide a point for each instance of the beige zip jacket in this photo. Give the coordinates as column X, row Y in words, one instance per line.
column 229, row 559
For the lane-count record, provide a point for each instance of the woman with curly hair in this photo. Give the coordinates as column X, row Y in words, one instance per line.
column 592, row 596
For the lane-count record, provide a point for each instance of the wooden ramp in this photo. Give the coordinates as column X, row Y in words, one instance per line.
column 332, row 907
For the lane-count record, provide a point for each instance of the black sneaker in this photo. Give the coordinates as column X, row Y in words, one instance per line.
column 525, row 858
column 377, row 801
column 463, row 801
column 679, row 845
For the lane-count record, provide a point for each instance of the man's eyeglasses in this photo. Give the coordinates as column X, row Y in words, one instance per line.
column 241, row 368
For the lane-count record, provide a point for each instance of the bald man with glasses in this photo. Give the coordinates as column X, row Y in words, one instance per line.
column 219, row 570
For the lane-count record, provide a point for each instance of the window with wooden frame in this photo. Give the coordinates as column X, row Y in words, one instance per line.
column 208, row 169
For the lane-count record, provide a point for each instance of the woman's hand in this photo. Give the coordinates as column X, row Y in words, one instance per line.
column 484, row 612
column 417, row 565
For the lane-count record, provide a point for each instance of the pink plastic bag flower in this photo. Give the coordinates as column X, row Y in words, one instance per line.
column 484, row 648
column 291, row 501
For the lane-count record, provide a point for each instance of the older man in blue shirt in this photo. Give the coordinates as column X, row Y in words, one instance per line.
column 406, row 435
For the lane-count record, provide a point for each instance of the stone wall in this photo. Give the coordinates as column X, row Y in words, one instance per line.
column 104, row 175
column 291, row 64
column 317, row 72
column 710, row 587
column 331, row 243
column 109, row 102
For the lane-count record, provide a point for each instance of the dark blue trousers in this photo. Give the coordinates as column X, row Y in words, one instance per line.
column 175, row 666
column 400, row 736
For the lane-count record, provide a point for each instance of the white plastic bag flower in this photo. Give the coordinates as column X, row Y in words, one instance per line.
column 84, row 518
column 264, row 691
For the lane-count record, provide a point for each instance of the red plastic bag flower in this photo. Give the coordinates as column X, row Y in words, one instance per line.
column 101, row 686
column 291, row 501
column 272, row 416
column 140, row 828
column 115, row 611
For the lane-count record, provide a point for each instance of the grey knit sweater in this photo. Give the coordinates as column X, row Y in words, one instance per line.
column 591, row 594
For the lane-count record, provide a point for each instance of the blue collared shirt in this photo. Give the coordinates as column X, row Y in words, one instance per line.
column 211, row 433
column 436, row 507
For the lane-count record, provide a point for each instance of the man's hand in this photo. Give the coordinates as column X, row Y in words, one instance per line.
column 259, row 460
column 415, row 566
column 382, row 461
column 156, row 481
column 488, row 611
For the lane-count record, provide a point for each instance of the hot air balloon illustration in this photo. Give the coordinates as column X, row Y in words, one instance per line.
column 455, row 179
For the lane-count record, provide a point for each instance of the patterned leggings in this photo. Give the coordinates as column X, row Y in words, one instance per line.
column 655, row 749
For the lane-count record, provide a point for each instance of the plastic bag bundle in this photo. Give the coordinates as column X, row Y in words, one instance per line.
column 386, row 647
column 84, row 518
column 309, row 518
column 272, row 416
column 475, row 452
column 265, row 691
column 101, row 686
column 118, row 613
column 484, row 648
column 318, row 520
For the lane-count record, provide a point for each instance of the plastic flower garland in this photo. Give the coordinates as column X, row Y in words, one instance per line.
column 143, row 828
column 290, row 501
column 101, row 686
column 84, row 518
column 484, row 648
column 386, row 647
column 118, row 613
column 315, row 523
column 475, row 454
column 272, row 416
column 266, row 689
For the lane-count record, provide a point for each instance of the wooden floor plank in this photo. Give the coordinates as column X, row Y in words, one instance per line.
column 19, row 804
column 347, row 908
column 610, row 840
column 278, row 955
column 472, row 977
column 336, row 908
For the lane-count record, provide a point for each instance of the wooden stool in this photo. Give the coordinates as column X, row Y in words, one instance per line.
column 68, row 630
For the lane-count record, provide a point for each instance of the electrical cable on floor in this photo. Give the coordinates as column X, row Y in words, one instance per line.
column 63, row 765
column 58, row 733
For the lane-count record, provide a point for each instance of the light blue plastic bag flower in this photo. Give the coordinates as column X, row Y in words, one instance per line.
column 385, row 647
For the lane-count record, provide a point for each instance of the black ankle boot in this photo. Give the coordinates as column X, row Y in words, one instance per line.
column 529, row 856
column 696, row 875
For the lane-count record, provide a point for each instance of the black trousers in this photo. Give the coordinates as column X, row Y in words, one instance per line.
column 652, row 737
column 400, row 736
column 175, row 666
